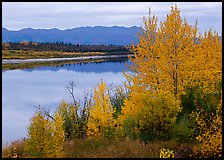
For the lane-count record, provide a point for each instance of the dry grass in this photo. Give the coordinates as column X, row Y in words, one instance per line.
column 16, row 148
column 103, row 148
column 108, row 148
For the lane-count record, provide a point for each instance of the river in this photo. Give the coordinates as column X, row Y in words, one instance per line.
column 23, row 90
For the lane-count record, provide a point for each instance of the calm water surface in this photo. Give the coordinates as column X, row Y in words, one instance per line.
column 22, row 90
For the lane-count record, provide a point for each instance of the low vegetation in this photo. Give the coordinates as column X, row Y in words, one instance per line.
column 33, row 50
column 103, row 148
column 170, row 107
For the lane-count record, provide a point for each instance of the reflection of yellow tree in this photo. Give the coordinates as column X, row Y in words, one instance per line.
column 101, row 113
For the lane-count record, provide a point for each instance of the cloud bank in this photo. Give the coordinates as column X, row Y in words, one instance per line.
column 66, row 15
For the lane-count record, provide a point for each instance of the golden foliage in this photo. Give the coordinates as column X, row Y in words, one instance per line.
column 39, row 131
column 69, row 114
column 159, row 115
column 169, row 58
column 45, row 137
column 10, row 153
column 58, row 136
column 210, row 136
column 101, row 113
column 166, row 153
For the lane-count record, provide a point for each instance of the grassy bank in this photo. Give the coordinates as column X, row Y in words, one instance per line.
column 13, row 66
column 107, row 148
column 104, row 148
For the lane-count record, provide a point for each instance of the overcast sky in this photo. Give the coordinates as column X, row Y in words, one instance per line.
column 67, row 15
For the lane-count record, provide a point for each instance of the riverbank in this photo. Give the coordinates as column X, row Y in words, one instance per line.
column 13, row 61
column 12, row 64
column 31, row 54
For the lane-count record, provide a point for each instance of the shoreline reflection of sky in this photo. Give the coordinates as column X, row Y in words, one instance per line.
column 22, row 90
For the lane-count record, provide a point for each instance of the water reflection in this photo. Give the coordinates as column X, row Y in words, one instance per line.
column 22, row 90
column 88, row 66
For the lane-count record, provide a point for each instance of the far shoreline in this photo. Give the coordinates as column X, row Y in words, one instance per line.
column 16, row 61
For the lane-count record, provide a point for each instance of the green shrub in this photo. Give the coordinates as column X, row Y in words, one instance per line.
column 131, row 128
column 71, row 120
column 185, row 129
column 158, row 118
column 117, row 99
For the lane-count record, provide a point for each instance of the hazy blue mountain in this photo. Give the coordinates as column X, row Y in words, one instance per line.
column 81, row 35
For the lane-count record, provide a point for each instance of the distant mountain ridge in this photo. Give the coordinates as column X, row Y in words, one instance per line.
column 97, row 35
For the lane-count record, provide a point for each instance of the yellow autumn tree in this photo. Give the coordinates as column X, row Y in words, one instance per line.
column 45, row 136
column 170, row 57
column 69, row 114
column 58, row 136
column 39, row 136
column 101, row 120
column 208, row 64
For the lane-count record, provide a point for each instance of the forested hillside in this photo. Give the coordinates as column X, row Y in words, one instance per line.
column 97, row 35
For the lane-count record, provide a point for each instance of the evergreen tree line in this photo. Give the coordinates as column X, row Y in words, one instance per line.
column 64, row 47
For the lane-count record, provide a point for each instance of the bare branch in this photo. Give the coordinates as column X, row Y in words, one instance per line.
column 70, row 89
column 45, row 112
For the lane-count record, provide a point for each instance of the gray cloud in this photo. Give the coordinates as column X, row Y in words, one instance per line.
column 64, row 15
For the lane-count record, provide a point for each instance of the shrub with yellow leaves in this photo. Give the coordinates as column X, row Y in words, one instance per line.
column 166, row 153
column 70, row 118
column 101, row 120
column 158, row 117
column 45, row 136
column 210, row 133
column 15, row 155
